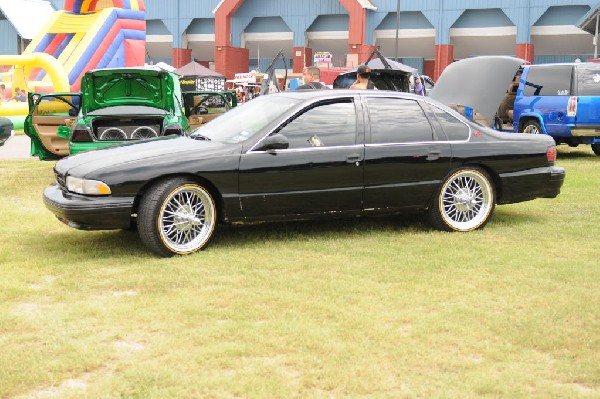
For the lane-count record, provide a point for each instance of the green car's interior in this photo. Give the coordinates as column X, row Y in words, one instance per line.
column 47, row 113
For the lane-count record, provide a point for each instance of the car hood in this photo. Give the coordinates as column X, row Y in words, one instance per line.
column 478, row 82
column 110, row 87
column 168, row 147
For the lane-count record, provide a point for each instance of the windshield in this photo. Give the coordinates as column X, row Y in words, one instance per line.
column 244, row 121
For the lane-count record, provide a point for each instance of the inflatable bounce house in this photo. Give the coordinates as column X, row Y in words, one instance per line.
column 87, row 34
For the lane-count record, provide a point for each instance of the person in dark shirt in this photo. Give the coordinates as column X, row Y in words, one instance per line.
column 311, row 76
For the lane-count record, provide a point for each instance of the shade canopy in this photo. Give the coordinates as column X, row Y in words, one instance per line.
column 195, row 69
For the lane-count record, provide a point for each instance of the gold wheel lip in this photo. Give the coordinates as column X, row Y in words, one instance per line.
column 213, row 217
column 489, row 206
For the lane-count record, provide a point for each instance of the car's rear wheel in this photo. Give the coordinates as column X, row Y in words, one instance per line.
column 596, row 148
column 532, row 127
column 465, row 201
column 176, row 217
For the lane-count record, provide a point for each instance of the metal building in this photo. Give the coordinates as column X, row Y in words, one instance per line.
column 239, row 35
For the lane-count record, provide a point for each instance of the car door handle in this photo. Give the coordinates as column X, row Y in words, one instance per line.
column 433, row 155
column 354, row 158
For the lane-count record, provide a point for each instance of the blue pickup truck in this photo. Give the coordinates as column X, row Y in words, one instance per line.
column 560, row 100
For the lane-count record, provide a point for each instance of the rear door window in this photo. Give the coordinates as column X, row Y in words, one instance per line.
column 454, row 129
column 588, row 80
column 552, row 80
column 395, row 120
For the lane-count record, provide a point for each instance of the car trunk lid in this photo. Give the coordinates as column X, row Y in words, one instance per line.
column 113, row 87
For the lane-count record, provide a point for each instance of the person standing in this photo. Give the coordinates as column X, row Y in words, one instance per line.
column 311, row 76
column 363, row 79
column 419, row 88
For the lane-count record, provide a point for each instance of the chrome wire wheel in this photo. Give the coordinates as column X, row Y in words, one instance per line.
column 466, row 200
column 186, row 219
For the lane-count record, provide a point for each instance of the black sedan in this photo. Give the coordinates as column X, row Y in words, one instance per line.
column 299, row 155
column 6, row 129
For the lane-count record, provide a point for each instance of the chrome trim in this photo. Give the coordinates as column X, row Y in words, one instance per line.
column 304, row 105
column 308, row 149
column 409, row 143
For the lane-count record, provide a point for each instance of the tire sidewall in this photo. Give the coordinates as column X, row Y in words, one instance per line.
column 150, row 213
column 436, row 213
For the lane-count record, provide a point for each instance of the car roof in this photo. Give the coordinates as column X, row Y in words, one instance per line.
column 315, row 94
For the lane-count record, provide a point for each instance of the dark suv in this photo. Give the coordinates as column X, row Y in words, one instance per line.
column 560, row 100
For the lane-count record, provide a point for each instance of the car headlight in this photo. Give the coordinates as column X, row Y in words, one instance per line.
column 88, row 187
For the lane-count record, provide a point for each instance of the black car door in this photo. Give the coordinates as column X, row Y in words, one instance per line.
column 404, row 161
column 320, row 171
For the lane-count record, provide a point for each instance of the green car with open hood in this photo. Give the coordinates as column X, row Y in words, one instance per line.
column 116, row 106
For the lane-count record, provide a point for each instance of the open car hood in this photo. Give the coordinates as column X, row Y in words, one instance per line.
column 478, row 82
column 114, row 87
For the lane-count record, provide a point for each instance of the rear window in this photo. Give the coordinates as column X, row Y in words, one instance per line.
column 588, row 80
column 552, row 80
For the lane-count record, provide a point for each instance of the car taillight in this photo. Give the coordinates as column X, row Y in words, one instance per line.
column 551, row 154
column 572, row 106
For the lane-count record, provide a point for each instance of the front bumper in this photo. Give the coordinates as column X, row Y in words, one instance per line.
column 531, row 183
column 89, row 213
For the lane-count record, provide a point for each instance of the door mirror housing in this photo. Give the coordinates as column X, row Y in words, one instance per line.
column 274, row 142
column 63, row 132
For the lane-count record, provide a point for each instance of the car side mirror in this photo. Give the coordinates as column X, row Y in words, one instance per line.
column 63, row 132
column 274, row 142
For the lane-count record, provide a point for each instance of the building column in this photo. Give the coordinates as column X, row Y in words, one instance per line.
column 358, row 50
column 444, row 56
column 303, row 57
column 362, row 51
column 525, row 51
column 231, row 60
column 181, row 57
column 228, row 60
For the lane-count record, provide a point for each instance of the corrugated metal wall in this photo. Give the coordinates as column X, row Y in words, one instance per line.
column 58, row 4
column 8, row 44
column 549, row 59
column 298, row 15
column 178, row 14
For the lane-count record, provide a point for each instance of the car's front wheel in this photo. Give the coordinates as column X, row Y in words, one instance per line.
column 596, row 148
column 176, row 217
column 465, row 201
column 532, row 127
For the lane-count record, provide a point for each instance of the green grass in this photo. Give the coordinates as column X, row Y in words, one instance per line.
column 378, row 308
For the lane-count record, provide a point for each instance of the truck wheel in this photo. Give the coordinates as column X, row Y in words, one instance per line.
column 532, row 127
column 465, row 201
column 596, row 148
column 176, row 217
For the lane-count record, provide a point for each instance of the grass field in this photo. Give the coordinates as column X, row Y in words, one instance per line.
column 378, row 308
